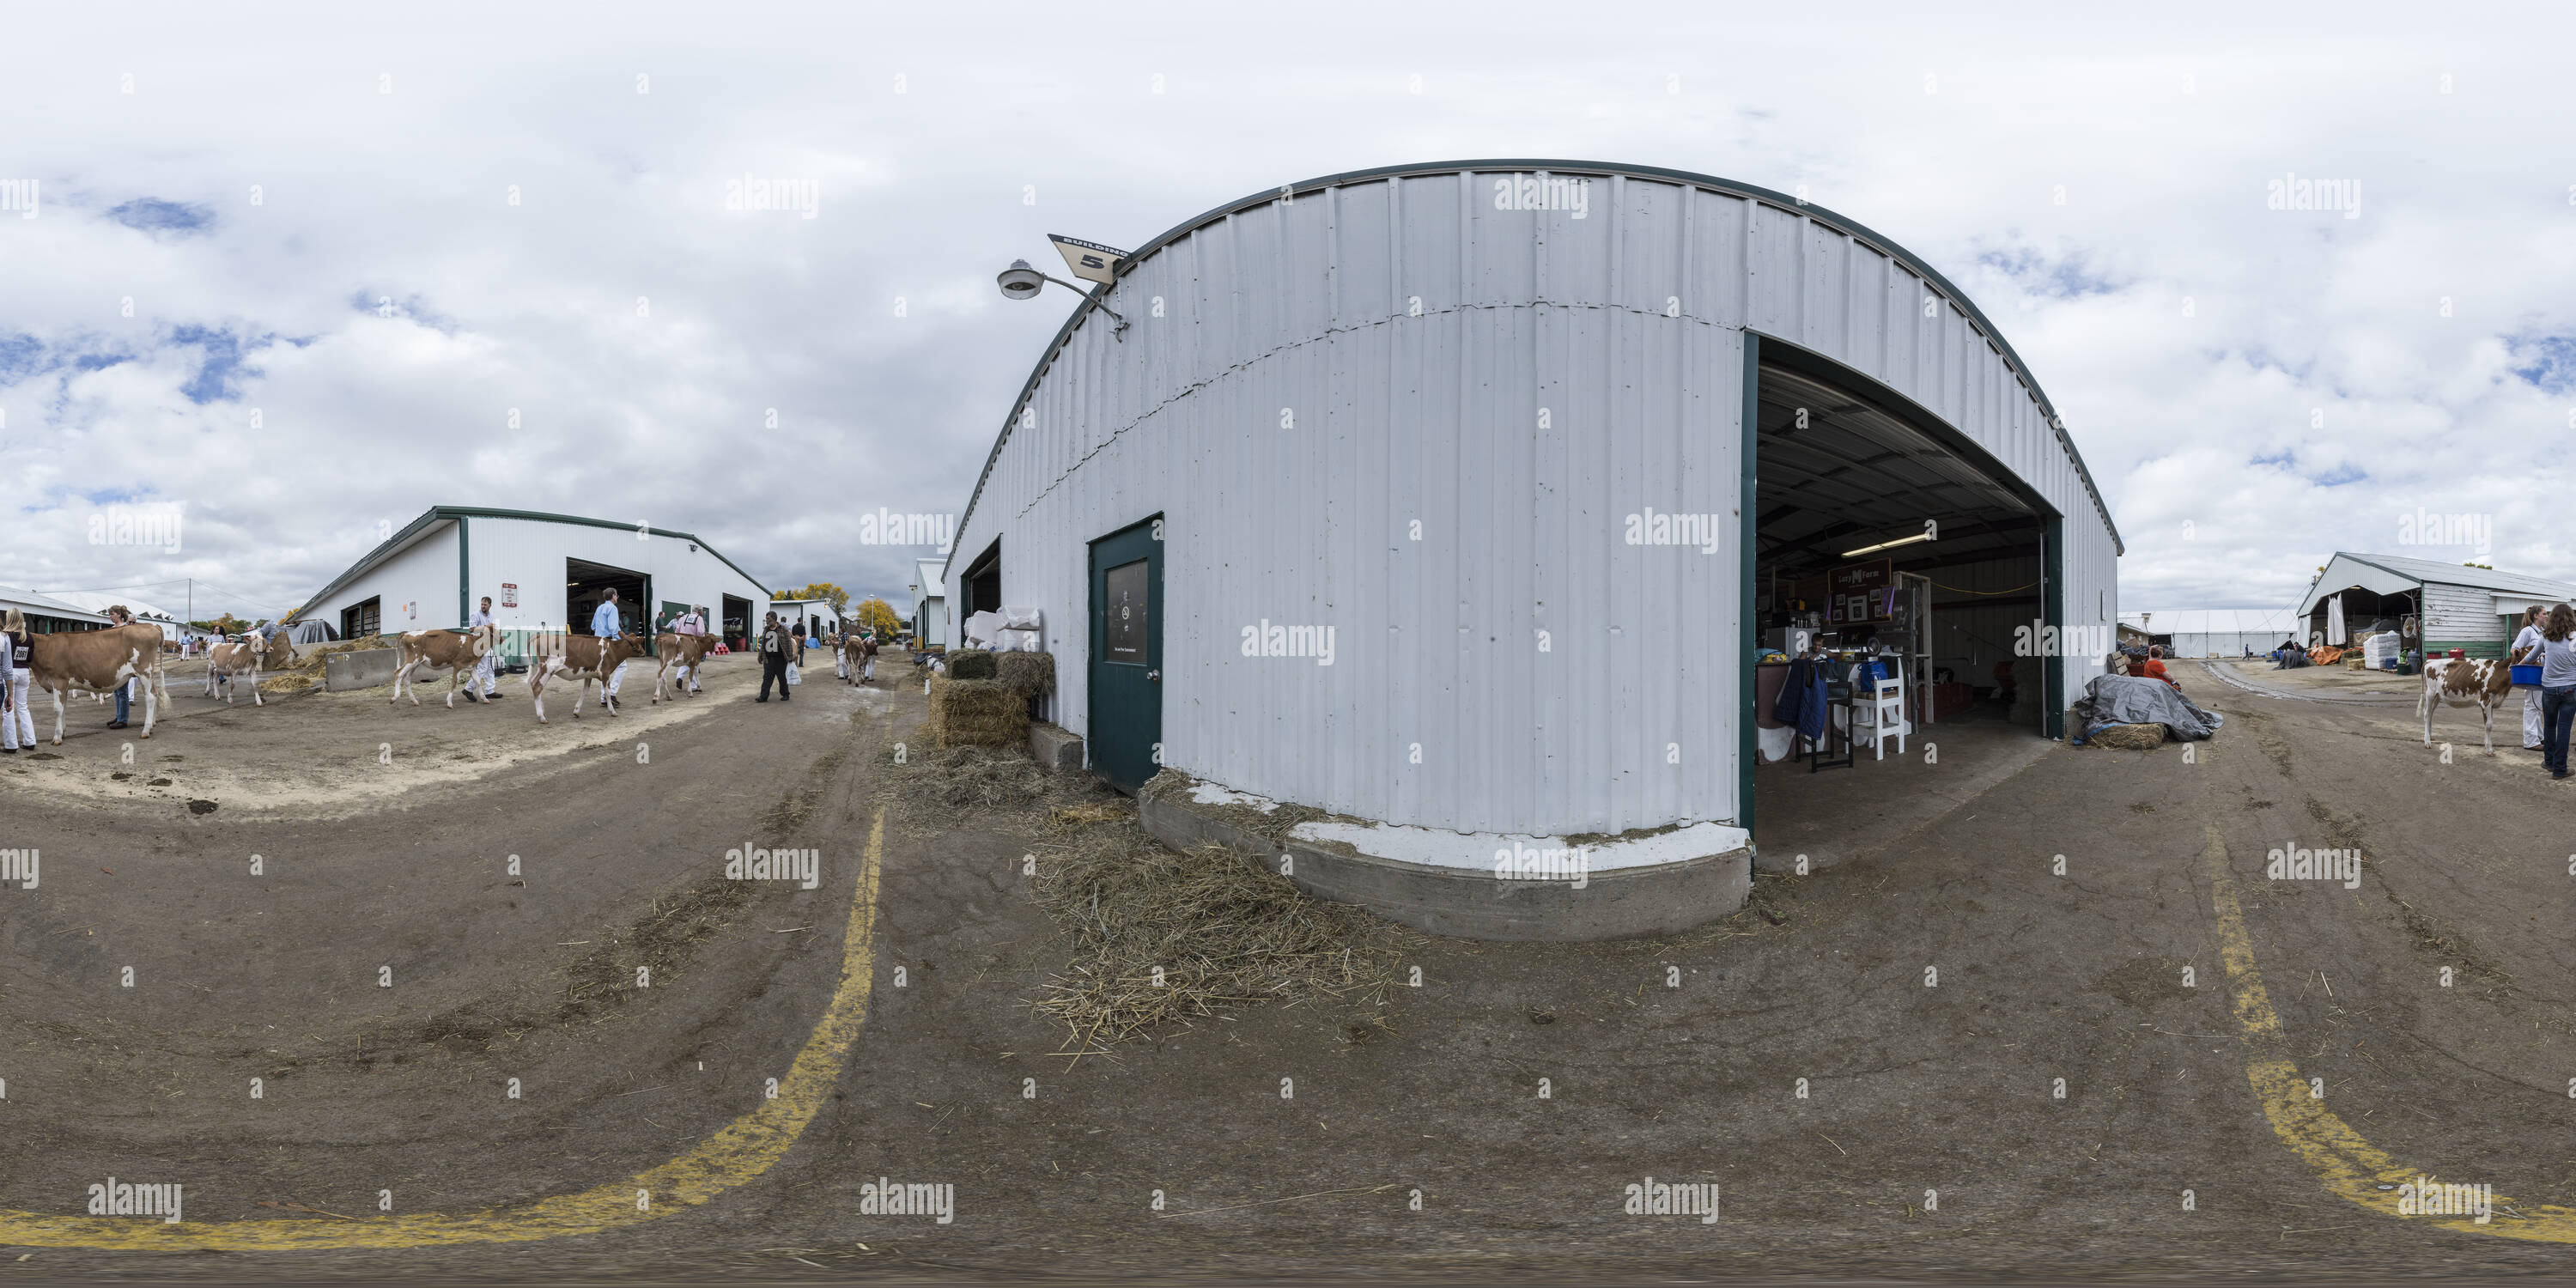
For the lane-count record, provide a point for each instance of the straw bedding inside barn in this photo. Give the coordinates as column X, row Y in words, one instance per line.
column 1223, row 932
column 976, row 713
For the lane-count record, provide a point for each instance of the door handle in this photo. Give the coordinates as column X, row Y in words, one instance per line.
column 1155, row 675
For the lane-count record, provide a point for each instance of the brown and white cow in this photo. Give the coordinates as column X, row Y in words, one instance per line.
column 581, row 659
column 686, row 653
column 98, row 662
column 856, row 651
column 459, row 650
column 227, row 663
column 2484, row 683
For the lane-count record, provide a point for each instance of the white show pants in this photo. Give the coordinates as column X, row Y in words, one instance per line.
column 868, row 667
column 2530, row 720
column 17, row 726
column 483, row 672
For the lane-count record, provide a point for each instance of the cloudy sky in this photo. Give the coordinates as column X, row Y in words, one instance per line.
column 296, row 268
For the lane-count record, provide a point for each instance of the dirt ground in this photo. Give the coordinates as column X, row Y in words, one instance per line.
column 1679, row 1060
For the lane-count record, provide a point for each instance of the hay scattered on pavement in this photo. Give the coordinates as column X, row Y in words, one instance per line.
column 965, row 781
column 1223, row 932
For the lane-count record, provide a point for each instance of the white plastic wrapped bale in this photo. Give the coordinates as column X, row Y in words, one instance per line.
column 981, row 627
column 1022, row 619
column 1008, row 640
column 2379, row 650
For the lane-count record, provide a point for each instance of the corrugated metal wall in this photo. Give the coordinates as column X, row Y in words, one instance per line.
column 531, row 553
column 423, row 574
column 1303, row 381
column 2458, row 615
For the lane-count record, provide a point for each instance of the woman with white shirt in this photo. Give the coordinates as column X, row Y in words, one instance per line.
column 2526, row 652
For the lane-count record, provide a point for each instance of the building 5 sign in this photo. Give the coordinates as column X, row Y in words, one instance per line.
column 1090, row 261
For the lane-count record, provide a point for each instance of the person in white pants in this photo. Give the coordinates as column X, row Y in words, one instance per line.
column 2526, row 650
column 17, row 725
column 868, row 658
column 486, row 665
column 692, row 622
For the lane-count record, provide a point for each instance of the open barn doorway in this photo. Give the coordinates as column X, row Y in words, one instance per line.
column 586, row 586
column 1898, row 571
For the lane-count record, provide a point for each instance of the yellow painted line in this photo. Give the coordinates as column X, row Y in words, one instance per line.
column 2350, row 1166
column 743, row 1150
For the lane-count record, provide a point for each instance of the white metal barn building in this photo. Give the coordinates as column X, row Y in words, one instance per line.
column 1456, row 500
column 543, row 572
column 2219, row 632
column 2470, row 609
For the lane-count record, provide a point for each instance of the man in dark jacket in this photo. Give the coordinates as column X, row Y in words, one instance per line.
column 775, row 653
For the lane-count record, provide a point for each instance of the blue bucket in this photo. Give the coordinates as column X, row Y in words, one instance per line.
column 2527, row 677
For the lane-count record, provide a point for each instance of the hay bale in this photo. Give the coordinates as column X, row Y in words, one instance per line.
column 971, row 664
column 977, row 713
column 1032, row 673
column 2128, row 737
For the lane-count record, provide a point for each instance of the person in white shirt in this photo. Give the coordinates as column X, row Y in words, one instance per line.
column 15, row 680
column 488, row 663
column 692, row 622
column 2526, row 652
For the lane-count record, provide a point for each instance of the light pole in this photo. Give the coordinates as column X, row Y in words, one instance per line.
column 1021, row 282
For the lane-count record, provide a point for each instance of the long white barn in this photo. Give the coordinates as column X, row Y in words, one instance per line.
column 542, row 571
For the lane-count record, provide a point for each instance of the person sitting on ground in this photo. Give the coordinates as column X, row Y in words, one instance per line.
column 2154, row 669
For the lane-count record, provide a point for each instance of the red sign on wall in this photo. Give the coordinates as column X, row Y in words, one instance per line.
column 509, row 594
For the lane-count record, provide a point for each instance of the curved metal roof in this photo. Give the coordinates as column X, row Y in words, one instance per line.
column 1807, row 209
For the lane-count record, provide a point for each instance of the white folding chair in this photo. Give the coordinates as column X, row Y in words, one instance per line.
column 1887, row 715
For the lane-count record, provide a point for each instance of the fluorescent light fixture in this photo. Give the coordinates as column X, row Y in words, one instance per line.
column 1900, row 541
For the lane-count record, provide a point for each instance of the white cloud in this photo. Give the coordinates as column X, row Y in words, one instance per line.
column 2161, row 134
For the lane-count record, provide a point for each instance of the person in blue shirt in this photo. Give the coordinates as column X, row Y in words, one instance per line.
column 604, row 623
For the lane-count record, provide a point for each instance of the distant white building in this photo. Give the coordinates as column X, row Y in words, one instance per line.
column 929, row 603
column 819, row 616
column 2218, row 632
column 543, row 572
column 173, row 627
column 46, row 614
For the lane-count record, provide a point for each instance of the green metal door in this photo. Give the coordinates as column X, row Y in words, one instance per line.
column 1126, row 709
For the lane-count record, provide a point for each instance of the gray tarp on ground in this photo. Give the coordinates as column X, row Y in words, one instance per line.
column 2135, row 699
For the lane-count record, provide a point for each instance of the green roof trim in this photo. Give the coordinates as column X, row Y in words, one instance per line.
column 459, row 513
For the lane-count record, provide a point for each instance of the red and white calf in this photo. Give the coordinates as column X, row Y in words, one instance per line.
column 227, row 663
column 2484, row 683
